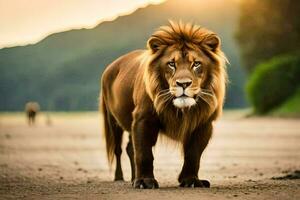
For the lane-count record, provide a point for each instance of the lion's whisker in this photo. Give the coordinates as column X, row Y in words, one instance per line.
column 204, row 99
column 164, row 95
column 167, row 99
column 206, row 90
column 207, row 93
column 162, row 91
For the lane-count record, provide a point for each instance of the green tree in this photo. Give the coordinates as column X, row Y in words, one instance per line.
column 274, row 82
column 268, row 28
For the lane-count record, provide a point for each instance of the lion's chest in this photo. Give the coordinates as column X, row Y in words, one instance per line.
column 177, row 128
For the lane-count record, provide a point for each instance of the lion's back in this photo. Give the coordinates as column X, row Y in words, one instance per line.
column 117, row 85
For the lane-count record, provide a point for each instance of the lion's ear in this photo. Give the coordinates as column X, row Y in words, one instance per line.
column 154, row 44
column 212, row 42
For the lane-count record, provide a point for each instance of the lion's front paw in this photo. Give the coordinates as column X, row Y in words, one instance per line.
column 145, row 183
column 194, row 182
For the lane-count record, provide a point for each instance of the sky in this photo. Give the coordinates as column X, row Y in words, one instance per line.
column 28, row 21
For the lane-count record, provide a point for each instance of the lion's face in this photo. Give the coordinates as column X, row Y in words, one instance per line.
column 185, row 71
column 186, row 67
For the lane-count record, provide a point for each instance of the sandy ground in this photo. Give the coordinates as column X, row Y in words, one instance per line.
column 67, row 161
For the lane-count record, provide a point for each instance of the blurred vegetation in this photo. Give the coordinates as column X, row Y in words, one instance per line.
column 268, row 28
column 62, row 71
column 273, row 82
column 289, row 108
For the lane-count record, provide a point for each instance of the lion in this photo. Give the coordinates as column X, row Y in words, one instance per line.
column 176, row 88
column 31, row 109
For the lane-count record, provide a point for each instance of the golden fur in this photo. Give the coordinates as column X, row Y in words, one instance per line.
column 178, row 36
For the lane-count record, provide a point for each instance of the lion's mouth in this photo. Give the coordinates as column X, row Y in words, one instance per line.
column 183, row 98
column 184, row 101
column 183, row 95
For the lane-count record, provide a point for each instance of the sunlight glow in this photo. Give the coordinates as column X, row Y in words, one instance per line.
column 28, row 21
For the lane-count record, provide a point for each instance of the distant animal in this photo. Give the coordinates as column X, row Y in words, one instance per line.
column 175, row 87
column 31, row 109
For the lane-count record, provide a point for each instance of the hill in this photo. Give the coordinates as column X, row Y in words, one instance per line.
column 62, row 71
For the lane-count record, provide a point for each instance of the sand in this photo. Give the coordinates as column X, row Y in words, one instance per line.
column 247, row 158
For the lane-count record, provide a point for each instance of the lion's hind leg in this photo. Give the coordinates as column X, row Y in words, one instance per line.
column 118, row 133
column 113, row 138
column 130, row 153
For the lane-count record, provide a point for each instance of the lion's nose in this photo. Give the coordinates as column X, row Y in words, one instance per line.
column 184, row 83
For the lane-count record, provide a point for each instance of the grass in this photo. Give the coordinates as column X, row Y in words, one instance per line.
column 290, row 108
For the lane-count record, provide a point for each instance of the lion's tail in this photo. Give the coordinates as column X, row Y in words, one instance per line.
column 108, row 133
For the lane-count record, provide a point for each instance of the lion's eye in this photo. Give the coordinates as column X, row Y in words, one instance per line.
column 172, row 65
column 196, row 65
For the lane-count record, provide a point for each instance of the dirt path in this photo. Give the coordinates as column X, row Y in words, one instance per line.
column 67, row 160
